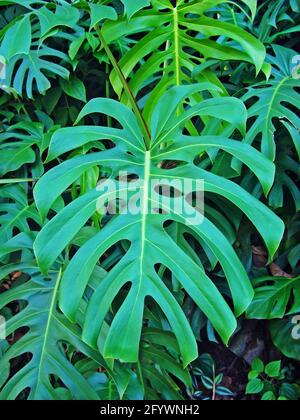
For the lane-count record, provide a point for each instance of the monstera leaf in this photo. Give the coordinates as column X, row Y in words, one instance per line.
column 49, row 333
column 274, row 102
column 16, row 145
column 177, row 38
column 286, row 336
column 15, row 211
column 275, row 297
column 150, row 244
column 56, row 363
column 287, row 170
column 30, row 62
column 159, row 348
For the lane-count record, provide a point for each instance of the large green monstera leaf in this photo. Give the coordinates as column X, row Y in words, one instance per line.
column 150, row 246
column 175, row 39
column 31, row 64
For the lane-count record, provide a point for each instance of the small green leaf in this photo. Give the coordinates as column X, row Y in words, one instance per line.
column 273, row 369
column 75, row 46
column 224, row 392
column 74, row 88
column 93, row 41
column 255, row 386
column 219, row 379
column 63, row 16
column 269, row 396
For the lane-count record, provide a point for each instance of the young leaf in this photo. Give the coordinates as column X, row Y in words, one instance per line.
column 100, row 12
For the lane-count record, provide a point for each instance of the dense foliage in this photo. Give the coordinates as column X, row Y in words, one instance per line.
column 102, row 306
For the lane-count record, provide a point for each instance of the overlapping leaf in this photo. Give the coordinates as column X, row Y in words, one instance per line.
column 177, row 38
column 275, row 297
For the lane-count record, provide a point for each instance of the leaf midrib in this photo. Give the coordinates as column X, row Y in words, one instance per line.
column 270, row 107
column 47, row 330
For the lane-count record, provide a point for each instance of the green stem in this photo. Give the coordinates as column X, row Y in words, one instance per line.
column 214, row 383
column 107, row 92
column 131, row 98
column 16, row 180
column 176, row 47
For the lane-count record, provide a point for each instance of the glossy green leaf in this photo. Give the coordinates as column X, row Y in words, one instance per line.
column 273, row 369
column 145, row 232
column 286, row 336
column 275, row 297
column 271, row 103
column 17, row 39
column 47, row 329
column 100, row 12
column 255, row 386
column 132, row 6
column 74, row 88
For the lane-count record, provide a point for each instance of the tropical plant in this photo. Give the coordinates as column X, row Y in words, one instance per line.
column 272, row 382
column 145, row 147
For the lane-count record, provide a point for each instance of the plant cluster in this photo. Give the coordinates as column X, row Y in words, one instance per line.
column 97, row 97
column 272, row 382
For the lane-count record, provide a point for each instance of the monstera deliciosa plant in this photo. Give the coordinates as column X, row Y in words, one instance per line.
column 108, row 261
